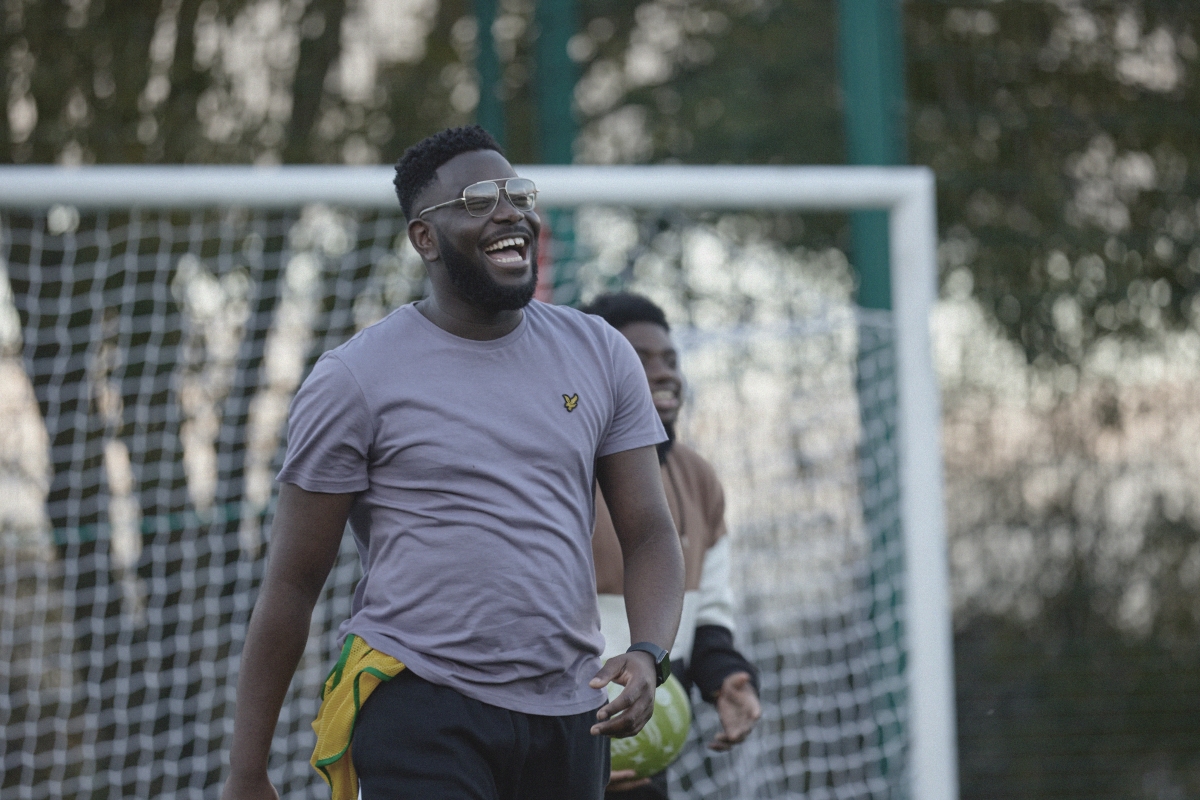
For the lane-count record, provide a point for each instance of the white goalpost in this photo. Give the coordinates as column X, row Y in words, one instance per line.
column 113, row 313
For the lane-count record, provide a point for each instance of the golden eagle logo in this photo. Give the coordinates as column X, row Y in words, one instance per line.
column 570, row 401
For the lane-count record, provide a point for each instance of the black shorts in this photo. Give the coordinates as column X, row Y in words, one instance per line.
column 414, row 739
column 655, row 790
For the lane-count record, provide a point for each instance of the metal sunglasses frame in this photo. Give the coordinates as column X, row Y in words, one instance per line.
column 532, row 195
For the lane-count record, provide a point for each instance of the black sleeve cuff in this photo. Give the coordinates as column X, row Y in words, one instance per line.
column 714, row 659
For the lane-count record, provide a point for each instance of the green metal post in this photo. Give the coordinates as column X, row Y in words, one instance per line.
column 490, row 113
column 872, row 62
column 872, row 66
column 556, row 77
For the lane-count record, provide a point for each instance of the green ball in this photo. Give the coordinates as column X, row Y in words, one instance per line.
column 661, row 741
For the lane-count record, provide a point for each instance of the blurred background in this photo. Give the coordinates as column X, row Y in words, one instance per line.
column 1064, row 139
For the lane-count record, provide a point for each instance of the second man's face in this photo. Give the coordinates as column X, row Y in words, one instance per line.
column 661, row 362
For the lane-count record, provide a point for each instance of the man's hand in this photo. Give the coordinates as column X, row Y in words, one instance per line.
column 622, row 780
column 634, row 706
column 738, row 707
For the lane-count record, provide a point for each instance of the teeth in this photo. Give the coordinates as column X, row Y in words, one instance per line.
column 504, row 244
column 663, row 394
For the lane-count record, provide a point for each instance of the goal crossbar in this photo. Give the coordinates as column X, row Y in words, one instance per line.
column 907, row 193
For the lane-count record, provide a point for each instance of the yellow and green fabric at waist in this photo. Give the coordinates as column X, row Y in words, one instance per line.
column 358, row 672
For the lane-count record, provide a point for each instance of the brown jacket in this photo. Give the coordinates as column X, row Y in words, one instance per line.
column 697, row 504
column 703, row 653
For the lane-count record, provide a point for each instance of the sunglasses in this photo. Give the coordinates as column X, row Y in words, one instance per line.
column 480, row 199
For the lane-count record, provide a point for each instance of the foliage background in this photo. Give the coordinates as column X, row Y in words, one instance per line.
column 1063, row 135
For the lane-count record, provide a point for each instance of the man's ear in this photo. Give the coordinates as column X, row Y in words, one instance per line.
column 420, row 233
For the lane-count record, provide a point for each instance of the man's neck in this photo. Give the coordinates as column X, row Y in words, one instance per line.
column 467, row 321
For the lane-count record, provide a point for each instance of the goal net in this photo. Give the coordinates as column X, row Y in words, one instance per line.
column 148, row 354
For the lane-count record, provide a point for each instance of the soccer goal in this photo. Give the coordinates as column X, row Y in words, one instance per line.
column 156, row 321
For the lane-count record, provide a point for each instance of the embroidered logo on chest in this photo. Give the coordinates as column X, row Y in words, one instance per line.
column 570, row 401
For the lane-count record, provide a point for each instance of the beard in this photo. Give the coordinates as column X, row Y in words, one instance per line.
column 664, row 448
column 479, row 288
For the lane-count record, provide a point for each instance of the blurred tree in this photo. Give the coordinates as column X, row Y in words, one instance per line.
column 710, row 81
column 320, row 46
column 187, row 84
column 76, row 72
column 1062, row 135
column 1072, row 708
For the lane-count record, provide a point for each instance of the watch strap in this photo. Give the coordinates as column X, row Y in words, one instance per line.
column 662, row 660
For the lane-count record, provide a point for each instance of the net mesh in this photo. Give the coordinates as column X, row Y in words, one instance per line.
column 147, row 360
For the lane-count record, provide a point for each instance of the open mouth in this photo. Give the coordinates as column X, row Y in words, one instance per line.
column 510, row 251
column 665, row 399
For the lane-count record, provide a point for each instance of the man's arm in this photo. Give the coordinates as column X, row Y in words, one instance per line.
column 727, row 680
column 304, row 543
column 631, row 482
column 714, row 658
column 723, row 675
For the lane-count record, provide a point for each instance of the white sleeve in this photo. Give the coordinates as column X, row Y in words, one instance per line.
column 716, row 595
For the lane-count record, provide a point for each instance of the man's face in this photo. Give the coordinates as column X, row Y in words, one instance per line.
column 657, row 352
column 491, row 261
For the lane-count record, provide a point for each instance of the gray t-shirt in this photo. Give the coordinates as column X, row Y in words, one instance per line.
column 474, row 462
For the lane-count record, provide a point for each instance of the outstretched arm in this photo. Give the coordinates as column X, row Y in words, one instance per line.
column 722, row 674
column 631, row 482
column 304, row 543
column 728, row 681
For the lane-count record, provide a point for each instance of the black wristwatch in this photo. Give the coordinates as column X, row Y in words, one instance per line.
column 662, row 660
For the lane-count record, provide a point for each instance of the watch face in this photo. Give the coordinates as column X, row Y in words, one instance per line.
column 662, row 660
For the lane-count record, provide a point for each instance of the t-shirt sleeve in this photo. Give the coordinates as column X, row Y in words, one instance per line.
column 635, row 422
column 329, row 432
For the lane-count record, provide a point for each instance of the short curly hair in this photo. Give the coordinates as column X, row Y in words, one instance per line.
column 623, row 308
column 417, row 167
